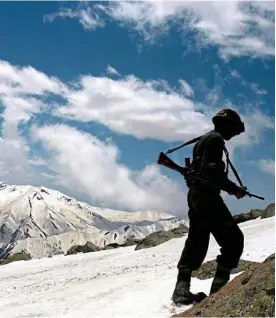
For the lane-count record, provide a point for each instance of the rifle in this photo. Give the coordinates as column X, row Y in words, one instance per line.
column 165, row 161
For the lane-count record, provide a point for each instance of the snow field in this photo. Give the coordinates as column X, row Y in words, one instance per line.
column 117, row 283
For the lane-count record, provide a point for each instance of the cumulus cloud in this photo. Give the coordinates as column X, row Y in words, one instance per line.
column 267, row 165
column 21, row 89
column 22, row 93
column 144, row 109
column 26, row 80
column 153, row 109
column 128, row 105
column 92, row 167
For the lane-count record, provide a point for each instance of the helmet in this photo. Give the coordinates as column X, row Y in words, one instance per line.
column 232, row 117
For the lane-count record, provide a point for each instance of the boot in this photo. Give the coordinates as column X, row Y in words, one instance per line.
column 221, row 278
column 182, row 294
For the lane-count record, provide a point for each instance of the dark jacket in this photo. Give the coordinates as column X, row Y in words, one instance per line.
column 207, row 161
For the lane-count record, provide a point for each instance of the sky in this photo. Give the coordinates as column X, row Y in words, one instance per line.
column 91, row 92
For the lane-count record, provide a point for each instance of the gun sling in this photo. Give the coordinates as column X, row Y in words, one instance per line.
column 228, row 161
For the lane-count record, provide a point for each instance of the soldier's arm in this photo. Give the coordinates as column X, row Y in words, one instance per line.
column 212, row 165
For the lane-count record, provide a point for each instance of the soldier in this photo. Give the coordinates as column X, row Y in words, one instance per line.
column 208, row 214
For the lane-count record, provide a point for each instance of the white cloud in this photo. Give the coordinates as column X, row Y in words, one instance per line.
column 21, row 89
column 16, row 80
column 91, row 166
column 87, row 16
column 267, row 165
column 128, row 105
column 186, row 88
column 253, row 86
column 257, row 90
column 237, row 28
column 147, row 17
column 144, row 109
column 256, row 122
column 36, row 161
column 152, row 109
column 22, row 92
column 112, row 71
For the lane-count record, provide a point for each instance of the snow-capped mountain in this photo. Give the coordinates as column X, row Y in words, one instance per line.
column 45, row 222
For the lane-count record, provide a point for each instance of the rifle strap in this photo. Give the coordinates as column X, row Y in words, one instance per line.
column 228, row 161
column 183, row 145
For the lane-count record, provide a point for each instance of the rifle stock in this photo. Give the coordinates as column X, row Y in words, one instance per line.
column 165, row 161
column 168, row 163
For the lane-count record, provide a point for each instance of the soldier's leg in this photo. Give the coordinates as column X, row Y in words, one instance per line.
column 192, row 257
column 231, row 240
column 197, row 243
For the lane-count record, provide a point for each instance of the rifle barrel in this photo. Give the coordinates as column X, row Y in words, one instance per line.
column 254, row 196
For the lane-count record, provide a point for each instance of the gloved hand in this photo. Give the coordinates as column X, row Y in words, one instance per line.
column 241, row 192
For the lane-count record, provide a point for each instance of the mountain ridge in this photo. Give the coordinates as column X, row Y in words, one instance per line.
column 44, row 222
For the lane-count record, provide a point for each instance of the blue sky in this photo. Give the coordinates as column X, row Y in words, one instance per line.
column 90, row 93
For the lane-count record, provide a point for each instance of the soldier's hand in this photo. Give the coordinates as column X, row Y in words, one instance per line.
column 241, row 192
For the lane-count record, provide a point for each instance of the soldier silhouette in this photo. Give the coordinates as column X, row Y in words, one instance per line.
column 208, row 213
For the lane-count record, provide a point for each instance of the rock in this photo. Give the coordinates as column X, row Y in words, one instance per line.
column 111, row 246
column 108, row 247
column 128, row 242
column 270, row 258
column 131, row 241
column 15, row 257
column 251, row 294
column 255, row 213
column 269, row 211
column 88, row 247
column 181, row 230
column 207, row 269
column 243, row 217
column 154, row 239
column 160, row 237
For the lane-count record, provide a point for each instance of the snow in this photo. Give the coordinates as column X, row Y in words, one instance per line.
column 45, row 222
column 118, row 283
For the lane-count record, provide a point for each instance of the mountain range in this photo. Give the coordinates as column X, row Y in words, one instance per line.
column 42, row 222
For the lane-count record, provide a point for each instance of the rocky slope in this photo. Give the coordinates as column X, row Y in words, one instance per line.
column 41, row 222
column 251, row 294
column 207, row 270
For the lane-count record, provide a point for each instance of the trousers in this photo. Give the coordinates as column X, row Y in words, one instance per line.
column 208, row 214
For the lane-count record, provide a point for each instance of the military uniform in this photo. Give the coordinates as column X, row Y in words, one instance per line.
column 208, row 213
